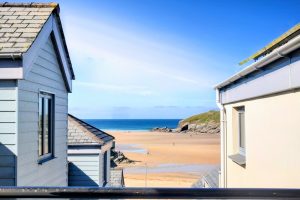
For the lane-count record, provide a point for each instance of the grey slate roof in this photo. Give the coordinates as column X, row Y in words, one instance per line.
column 20, row 24
column 82, row 133
column 212, row 177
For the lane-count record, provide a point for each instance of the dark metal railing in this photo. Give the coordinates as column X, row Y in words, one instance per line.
column 146, row 193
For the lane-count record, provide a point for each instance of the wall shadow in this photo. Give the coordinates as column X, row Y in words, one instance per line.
column 7, row 166
column 77, row 177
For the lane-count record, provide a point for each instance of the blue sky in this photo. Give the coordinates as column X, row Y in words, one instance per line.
column 161, row 58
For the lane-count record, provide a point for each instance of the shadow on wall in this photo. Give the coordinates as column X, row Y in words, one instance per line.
column 7, row 166
column 77, row 177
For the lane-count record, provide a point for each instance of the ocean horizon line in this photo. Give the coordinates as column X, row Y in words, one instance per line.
column 132, row 119
column 132, row 124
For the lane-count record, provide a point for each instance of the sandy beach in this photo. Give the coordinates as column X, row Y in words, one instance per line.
column 167, row 159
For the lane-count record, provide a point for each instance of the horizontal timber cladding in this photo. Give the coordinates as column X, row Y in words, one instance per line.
column 8, row 132
column 84, row 169
column 44, row 75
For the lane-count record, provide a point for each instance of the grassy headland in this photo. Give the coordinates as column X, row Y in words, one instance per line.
column 203, row 118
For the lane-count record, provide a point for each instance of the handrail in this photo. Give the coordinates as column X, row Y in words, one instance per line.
column 146, row 193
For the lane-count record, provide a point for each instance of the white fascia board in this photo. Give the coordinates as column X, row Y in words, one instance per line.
column 62, row 52
column 11, row 73
column 83, row 151
column 30, row 56
column 107, row 146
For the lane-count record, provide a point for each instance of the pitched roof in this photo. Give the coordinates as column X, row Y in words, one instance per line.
column 212, row 177
column 282, row 39
column 20, row 24
column 278, row 48
column 82, row 133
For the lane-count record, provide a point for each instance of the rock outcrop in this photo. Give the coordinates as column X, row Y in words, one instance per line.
column 209, row 128
column 117, row 157
column 163, row 129
column 205, row 123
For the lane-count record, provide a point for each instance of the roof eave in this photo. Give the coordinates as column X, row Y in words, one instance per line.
column 86, row 145
column 12, row 56
column 277, row 53
column 291, row 33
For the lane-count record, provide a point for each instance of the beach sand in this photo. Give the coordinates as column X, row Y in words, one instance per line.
column 167, row 159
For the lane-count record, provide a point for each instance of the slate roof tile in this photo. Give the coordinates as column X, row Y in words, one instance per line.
column 17, row 9
column 3, row 9
column 12, row 35
column 9, row 17
column 34, row 25
column 19, row 25
column 14, row 21
column 7, row 30
column 80, row 132
column 25, row 17
column 24, row 21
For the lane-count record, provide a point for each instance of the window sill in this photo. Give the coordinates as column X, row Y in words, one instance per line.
column 238, row 159
column 45, row 158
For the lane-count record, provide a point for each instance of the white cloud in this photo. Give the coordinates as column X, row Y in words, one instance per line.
column 135, row 54
column 126, row 67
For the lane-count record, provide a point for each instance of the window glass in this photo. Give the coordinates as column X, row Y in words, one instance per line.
column 46, row 126
column 40, row 131
column 45, row 132
column 50, row 124
column 241, row 129
column 105, row 167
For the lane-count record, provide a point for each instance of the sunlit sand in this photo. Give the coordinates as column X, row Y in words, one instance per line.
column 167, row 159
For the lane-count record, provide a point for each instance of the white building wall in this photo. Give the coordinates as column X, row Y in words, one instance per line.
column 272, row 132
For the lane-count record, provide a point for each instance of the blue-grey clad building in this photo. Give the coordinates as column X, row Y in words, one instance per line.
column 89, row 152
column 35, row 79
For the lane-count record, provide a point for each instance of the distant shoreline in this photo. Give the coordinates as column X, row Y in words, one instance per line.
column 132, row 125
column 122, row 131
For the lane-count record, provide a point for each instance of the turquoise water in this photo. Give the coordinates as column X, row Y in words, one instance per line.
column 132, row 124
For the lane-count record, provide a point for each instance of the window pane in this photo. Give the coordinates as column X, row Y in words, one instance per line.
column 46, row 126
column 242, row 129
column 40, row 131
column 105, row 167
column 50, row 131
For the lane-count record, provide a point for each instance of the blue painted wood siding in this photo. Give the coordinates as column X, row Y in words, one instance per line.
column 8, row 132
column 45, row 75
column 107, row 168
column 84, row 170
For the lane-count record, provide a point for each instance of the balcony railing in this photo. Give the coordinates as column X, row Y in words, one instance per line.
column 146, row 193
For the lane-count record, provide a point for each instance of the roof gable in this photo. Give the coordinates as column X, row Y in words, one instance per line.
column 23, row 29
column 82, row 133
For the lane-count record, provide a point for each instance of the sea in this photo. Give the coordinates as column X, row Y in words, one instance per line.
column 132, row 124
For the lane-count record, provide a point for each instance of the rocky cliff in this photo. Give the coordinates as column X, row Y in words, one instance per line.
column 208, row 122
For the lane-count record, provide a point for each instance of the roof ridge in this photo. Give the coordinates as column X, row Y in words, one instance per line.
column 36, row 5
